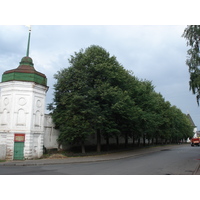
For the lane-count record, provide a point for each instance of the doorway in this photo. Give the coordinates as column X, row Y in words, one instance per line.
column 18, row 150
column 19, row 146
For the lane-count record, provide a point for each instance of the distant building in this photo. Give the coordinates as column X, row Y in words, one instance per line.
column 193, row 125
column 198, row 133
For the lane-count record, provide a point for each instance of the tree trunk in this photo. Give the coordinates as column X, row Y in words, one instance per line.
column 133, row 141
column 117, row 141
column 156, row 139
column 152, row 141
column 98, row 140
column 82, row 147
column 138, row 141
column 126, row 140
column 143, row 140
column 59, row 144
column 107, row 143
column 162, row 141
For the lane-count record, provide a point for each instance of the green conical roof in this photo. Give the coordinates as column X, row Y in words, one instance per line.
column 25, row 72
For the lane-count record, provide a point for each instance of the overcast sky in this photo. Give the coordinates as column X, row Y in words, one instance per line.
column 152, row 52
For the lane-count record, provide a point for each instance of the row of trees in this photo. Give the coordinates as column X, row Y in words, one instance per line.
column 96, row 95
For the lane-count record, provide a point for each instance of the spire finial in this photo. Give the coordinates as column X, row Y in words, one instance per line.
column 29, row 36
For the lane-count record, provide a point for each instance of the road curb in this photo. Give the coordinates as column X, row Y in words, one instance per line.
column 99, row 158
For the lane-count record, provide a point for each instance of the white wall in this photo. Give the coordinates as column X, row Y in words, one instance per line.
column 2, row 151
column 50, row 133
column 22, row 106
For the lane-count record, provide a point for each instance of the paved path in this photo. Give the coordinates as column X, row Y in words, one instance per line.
column 97, row 158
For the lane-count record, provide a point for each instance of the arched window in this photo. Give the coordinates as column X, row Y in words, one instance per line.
column 4, row 118
column 37, row 118
column 21, row 119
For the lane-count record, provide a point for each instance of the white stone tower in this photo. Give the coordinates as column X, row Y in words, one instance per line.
column 22, row 106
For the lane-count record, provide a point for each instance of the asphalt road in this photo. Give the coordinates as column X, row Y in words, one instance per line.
column 172, row 161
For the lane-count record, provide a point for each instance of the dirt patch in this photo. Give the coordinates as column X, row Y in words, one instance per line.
column 53, row 156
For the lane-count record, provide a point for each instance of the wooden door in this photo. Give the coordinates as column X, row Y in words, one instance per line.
column 18, row 150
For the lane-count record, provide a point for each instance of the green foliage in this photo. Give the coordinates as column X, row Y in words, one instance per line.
column 95, row 94
column 192, row 35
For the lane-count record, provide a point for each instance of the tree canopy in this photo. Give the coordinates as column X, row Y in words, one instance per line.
column 96, row 95
column 192, row 35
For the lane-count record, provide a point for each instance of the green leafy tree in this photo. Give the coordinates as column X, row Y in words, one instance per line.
column 96, row 95
column 148, row 117
column 180, row 125
column 89, row 91
column 156, row 119
column 192, row 35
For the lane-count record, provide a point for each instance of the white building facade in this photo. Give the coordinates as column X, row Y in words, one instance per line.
column 22, row 106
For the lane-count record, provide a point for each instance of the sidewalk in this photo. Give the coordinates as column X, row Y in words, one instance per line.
column 97, row 158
